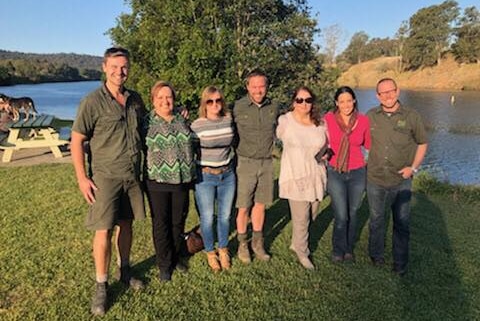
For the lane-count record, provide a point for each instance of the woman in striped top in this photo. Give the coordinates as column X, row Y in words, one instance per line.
column 216, row 180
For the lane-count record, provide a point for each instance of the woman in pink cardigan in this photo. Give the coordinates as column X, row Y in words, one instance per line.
column 302, row 180
column 349, row 135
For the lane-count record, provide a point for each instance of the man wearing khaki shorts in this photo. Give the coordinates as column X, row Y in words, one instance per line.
column 109, row 119
column 255, row 118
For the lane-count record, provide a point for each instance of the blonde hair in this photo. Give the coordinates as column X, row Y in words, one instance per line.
column 159, row 85
column 205, row 96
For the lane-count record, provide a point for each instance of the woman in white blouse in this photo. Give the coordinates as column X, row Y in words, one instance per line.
column 302, row 179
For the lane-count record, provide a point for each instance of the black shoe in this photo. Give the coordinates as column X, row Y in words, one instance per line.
column 165, row 276
column 337, row 258
column 400, row 271
column 349, row 258
column 181, row 267
column 378, row 261
column 124, row 276
column 99, row 300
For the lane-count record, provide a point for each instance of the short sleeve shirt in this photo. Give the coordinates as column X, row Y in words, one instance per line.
column 394, row 141
column 113, row 132
column 255, row 126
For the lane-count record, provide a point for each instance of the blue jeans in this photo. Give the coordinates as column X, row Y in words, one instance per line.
column 211, row 187
column 398, row 198
column 346, row 192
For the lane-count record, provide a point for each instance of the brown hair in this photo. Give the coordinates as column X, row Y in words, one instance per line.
column 159, row 85
column 116, row 52
column 315, row 116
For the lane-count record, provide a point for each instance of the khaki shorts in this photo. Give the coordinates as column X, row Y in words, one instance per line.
column 115, row 199
column 254, row 182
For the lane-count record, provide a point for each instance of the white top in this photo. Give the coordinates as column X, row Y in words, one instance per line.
column 301, row 177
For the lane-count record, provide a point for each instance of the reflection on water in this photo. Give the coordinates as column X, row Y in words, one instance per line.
column 454, row 130
column 59, row 99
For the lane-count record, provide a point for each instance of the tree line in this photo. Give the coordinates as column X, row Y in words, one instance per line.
column 424, row 39
column 193, row 44
column 20, row 68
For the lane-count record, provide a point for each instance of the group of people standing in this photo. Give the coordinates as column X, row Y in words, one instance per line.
column 226, row 157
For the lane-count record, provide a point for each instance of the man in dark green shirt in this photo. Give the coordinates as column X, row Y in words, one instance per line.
column 255, row 117
column 109, row 120
column 399, row 144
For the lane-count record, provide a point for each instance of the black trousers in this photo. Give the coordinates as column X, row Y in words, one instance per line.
column 169, row 209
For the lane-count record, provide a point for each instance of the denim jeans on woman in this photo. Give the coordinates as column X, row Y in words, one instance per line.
column 346, row 192
column 398, row 199
column 211, row 187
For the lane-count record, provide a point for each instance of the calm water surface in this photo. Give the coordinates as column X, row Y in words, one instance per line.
column 454, row 130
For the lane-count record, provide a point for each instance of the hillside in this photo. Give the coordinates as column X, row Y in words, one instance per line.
column 449, row 75
column 71, row 59
column 22, row 68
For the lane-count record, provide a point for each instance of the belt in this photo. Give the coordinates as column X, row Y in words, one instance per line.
column 215, row 170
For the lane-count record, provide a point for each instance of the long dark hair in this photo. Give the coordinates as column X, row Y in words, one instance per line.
column 346, row 89
column 315, row 115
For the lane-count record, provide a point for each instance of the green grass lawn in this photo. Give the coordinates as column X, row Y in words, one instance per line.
column 46, row 270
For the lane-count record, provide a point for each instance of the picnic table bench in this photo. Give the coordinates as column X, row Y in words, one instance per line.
column 33, row 133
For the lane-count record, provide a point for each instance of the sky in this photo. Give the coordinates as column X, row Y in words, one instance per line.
column 79, row 26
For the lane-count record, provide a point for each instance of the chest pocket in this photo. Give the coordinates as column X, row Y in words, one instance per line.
column 110, row 122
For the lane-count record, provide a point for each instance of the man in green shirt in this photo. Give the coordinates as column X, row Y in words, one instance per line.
column 255, row 117
column 109, row 120
column 399, row 144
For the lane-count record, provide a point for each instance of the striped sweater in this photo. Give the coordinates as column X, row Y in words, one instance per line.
column 214, row 140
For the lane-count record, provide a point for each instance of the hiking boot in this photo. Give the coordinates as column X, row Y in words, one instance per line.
column 224, row 258
column 99, row 300
column 244, row 253
column 257, row 247
column 212, row 260
column 124, row 276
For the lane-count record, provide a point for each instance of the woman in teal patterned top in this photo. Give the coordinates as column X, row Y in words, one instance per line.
column 169, row 170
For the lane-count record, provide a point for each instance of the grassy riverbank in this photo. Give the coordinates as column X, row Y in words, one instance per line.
column 47, row 272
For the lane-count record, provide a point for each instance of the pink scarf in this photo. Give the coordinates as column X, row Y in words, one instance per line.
column 344, row 151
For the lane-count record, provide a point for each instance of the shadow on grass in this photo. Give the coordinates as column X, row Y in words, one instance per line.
column 432, row 289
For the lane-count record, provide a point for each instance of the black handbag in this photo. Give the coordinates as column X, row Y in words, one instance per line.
column 324, row 150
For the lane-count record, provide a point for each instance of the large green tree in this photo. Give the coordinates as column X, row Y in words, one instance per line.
column 196, row 43
column 430, row 29
column 356, row 50
column 467, row 47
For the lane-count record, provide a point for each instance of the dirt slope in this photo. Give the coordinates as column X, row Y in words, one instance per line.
column 449, row 75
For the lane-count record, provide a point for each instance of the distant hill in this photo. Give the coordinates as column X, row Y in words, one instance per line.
column 19, row 67
column 449, row 75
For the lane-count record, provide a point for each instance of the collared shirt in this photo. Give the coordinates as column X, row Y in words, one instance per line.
column 394, row 141
column 113, row 132
column 255, row 127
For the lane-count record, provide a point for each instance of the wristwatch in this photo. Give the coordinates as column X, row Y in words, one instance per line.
column 414, row 170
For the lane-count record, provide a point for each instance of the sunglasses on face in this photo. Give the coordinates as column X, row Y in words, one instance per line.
column 308, row 100
column 211, row 101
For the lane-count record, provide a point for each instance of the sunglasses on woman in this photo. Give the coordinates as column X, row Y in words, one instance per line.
column 211, row 101
column 308, row 100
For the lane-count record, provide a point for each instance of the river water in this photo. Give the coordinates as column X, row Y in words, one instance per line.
column 454, row 129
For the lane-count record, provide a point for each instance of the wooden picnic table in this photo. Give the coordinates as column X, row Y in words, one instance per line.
column 33, row 133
